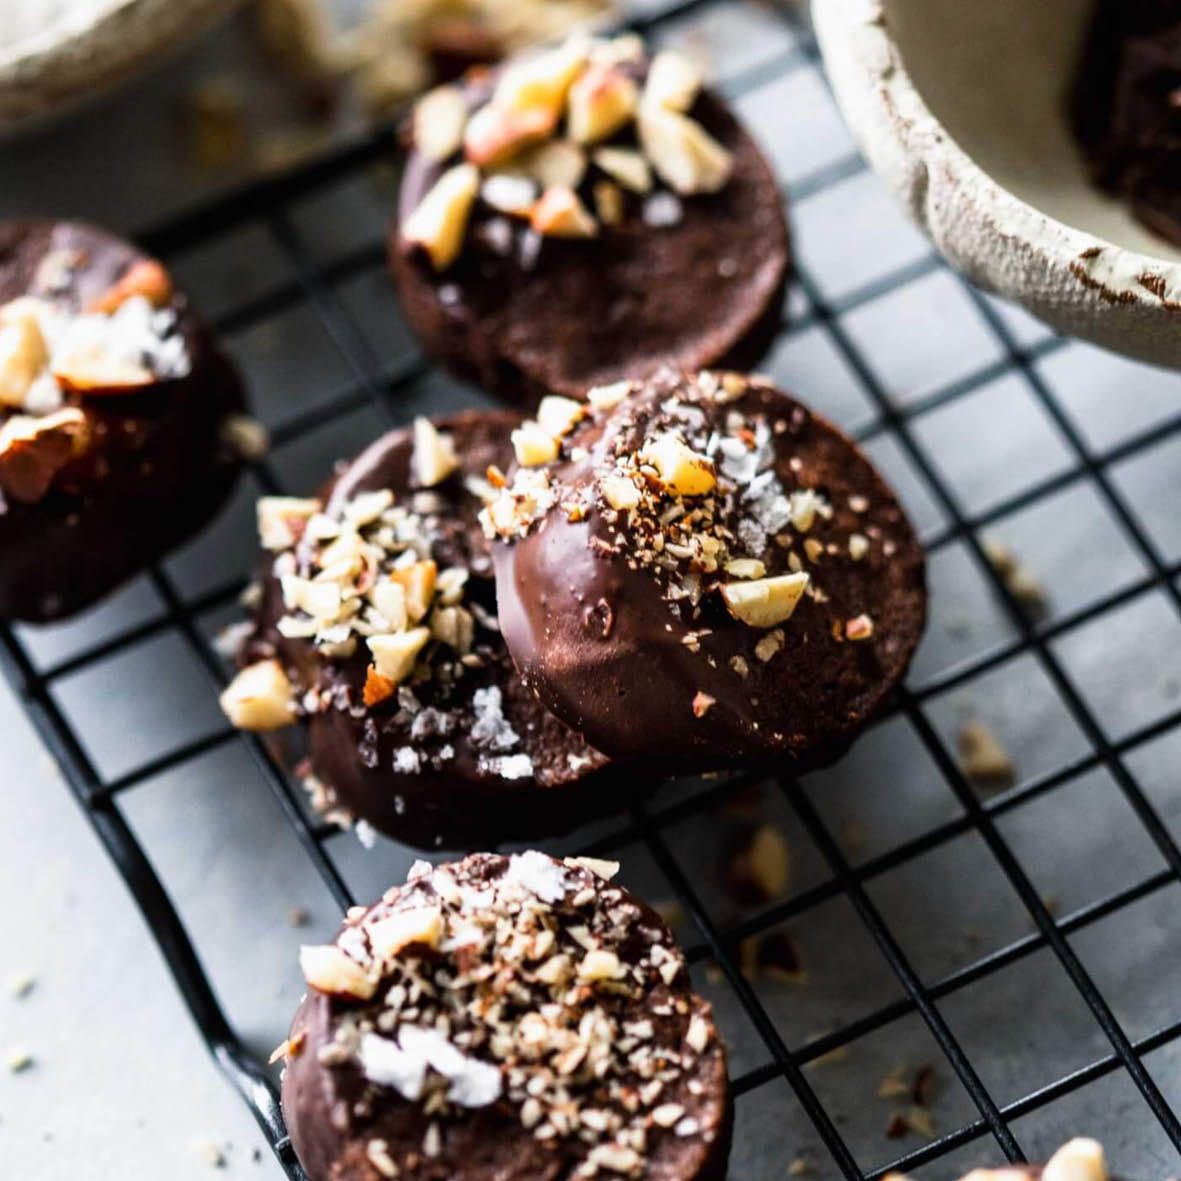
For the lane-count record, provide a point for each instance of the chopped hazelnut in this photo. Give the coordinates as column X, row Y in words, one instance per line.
column 982, row 757
column 600, row 965
column 534, row 446
column 34, row 450
column 542, row 82
column 702, row 704
column 685, row 156
column 282, row 519
column 627, row 167
column 620, row 492
column 1077, row 1160
column 608, row 202
column 555, row 164
column 859, row 628
column 23, row 351
column 745, row 568
column 145, row 277
column 858, row 546
column 603, row 397
column 558, row 416
column 494, row 135
column 439, row 223
column 507, row 193
column 418, row 583
column 248, row 438
column 561, row 214
column 93, row 371
column 765, row 602
column 259, row 698
column 440, row 118
column 679, row 468
column 758, row 867
column 601, row 101
column 394, row 655
column 421, row 926
column 434, row 456
column 673, row 81
column 328, row 970
column 377, row 688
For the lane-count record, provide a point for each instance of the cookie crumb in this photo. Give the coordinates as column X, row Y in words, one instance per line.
column 759, row 866
column 19, row 1061
column 298, row 916
column 209, row 1151
column 983, row 759
column 20, row 984
column 1018, row 581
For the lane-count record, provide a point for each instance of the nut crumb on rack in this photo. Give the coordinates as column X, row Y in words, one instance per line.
column 982, row 758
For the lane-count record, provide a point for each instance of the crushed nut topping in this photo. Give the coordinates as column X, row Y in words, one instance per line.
column 692, row 493
column 403, row 639
column 625, row 128
column 529, row 981
column 125, row 341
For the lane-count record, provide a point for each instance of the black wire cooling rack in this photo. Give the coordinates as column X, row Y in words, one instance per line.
column 313, row 283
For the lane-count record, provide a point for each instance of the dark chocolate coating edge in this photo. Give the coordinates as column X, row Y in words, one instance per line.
column 79, row 543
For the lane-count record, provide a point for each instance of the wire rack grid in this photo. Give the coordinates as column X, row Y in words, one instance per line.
column 830, row 305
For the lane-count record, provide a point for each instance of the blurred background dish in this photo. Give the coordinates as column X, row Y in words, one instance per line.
column 55, row 54
column 964, row 109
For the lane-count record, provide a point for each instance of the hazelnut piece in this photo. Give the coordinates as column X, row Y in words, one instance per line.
column 434, row 456
column 421, row 926
column 259, row 698
column 23, row 352
column 34, row 450
column 765, row 602
column 533, row 445
column 679, row 468
column 144, row 277
column 602, row 100
column 627, row 167
column 328, row 970
column 282, row 519
column 394, row 655
column 686, row 157
column 673, row 81
column 440, row 118
column 560, row 214
column 440, row 221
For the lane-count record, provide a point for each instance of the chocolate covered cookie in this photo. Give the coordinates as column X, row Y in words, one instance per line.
column 113, row 404
column 698, row 572
column 1077, row 1160
column 517, row 1018
column 377, row 629
column 1127, row 108
column 584, row 215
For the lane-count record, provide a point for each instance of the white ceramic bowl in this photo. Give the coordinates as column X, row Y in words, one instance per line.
column 89, row 48
column 961, row 107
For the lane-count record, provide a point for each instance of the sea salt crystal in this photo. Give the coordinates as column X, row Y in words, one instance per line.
column 538, row 874
column 491, row 729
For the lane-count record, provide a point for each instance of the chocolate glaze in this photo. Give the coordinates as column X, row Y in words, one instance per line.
column 487, row 1144
column 458, row 802
column 606, row 652
column 155, row 471
column 706, row 291
column 1127, row 108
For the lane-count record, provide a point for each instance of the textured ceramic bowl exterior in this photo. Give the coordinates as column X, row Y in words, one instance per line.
column 1076, row 279
column 44, row 75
